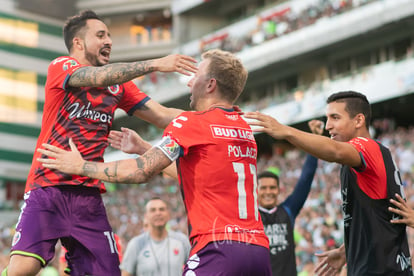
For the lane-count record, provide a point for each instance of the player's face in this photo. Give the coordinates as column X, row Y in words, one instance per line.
column 268, row 192
column 340, row 125
column 157, row 213
column 198, row 84
column 97, row 43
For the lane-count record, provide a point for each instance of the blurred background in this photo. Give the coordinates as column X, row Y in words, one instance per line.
column 297, row 52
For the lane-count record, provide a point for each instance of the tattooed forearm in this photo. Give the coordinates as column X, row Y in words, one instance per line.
column 111, row 176
column 143, row 163
column 89, row 168
column 110, row 74
column 139, row 170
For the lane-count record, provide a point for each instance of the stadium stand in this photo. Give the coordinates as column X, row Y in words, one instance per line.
column 297, row 53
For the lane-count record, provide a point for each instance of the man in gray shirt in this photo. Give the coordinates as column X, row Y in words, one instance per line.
column 158, row 251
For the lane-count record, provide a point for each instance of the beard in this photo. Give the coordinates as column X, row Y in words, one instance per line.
column 92, row 58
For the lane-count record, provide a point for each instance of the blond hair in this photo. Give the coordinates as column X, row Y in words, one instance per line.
column 228, row 71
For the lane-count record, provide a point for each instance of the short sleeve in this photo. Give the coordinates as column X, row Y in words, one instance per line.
column 133, row 98
column 360, row 144
column 60, row 70
column 371, row 175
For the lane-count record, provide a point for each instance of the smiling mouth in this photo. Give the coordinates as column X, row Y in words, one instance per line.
column 106, row 52
column 333, row 136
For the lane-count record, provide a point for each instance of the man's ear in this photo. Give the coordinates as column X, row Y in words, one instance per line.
column 78, row 43
column 212, row 83
column 360, row 120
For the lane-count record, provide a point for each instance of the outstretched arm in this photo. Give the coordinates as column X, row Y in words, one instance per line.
column 137, row 170
column 403, row 210
column 157, row 114
column 298, row 197
column 118, row 73
column 319, row 146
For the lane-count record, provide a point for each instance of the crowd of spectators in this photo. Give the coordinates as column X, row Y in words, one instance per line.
column 283, row 21
column 318, row 226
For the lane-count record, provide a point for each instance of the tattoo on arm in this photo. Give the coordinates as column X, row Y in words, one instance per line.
column 89, row 168
column 127, row 171
column 112, row 176
column 110, row 74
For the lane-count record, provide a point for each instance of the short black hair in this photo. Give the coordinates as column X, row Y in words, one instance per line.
column 74, row 24
column 355, row 103
column 158, row 198
column 270, row 175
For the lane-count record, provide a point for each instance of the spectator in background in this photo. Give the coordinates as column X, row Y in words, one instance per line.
column 279, row 220
column 157, row 251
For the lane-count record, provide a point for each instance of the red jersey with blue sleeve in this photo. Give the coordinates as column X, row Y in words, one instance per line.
column 372, row 174
column 84, row 114
column 216, row 161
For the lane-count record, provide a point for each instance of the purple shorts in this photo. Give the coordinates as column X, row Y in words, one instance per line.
column 229, row 258
column 75, row 215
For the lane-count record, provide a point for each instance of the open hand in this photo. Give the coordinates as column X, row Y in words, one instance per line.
column 128, row 141
column 70, row 162
column 266, row 123
column 331, row 262
column 403, row 210
column 176, row 63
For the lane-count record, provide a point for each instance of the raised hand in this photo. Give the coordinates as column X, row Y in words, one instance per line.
column 316, row 126
column 331, row 262
column 128, row 141
column 176, row 63
column 403, row 210
column 70, row 162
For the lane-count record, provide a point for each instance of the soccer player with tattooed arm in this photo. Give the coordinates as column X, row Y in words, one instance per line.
column 82, row 92
column 215, row 152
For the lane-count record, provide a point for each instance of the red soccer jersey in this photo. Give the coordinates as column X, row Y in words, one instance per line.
column 217, row 175
column 372, row 177
column 84, row 114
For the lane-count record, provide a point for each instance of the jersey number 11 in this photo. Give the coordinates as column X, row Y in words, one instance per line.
column 241, row 189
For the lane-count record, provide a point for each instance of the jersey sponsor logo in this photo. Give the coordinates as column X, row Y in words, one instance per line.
column 69, row 64
column 233, row 133
column 77, row 111
column 114, row 89
column 170, row 148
